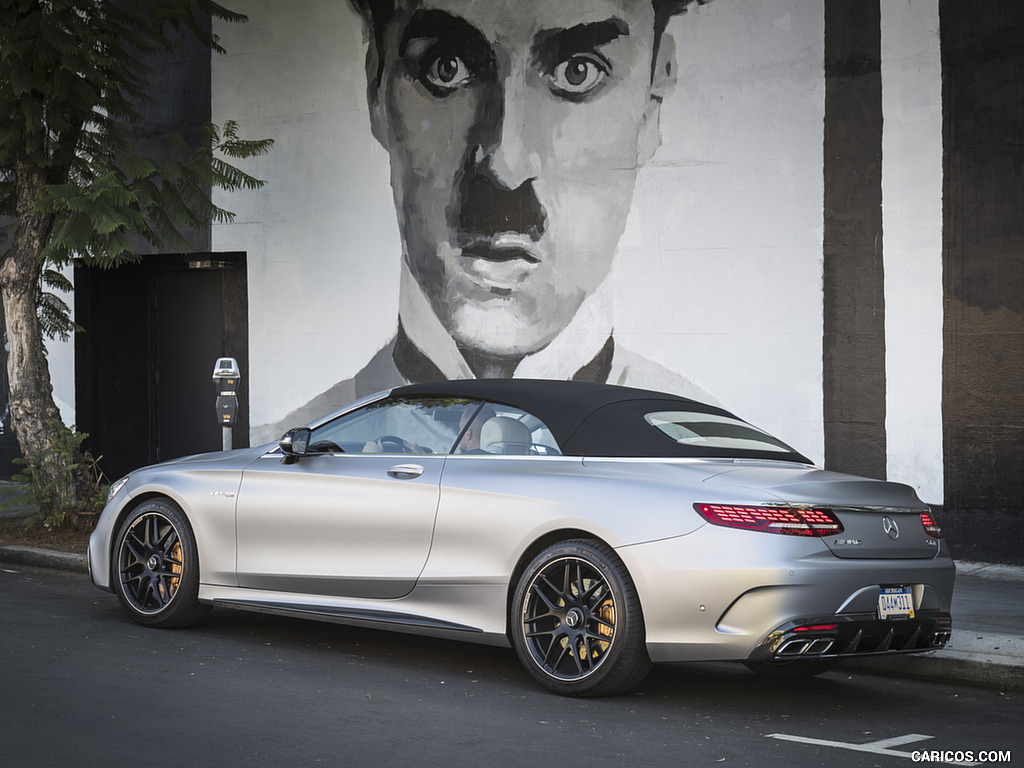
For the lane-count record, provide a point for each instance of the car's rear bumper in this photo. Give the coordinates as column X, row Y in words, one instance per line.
column 831, row 637
column 701, row 605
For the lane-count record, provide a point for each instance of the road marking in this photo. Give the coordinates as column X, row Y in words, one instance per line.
column 880, row 747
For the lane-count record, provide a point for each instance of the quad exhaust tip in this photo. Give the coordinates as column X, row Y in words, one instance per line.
column 801, row 647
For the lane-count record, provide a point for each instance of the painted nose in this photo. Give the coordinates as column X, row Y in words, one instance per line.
column 508, row 148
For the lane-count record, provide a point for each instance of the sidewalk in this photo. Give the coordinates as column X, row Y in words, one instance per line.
column 987, row 647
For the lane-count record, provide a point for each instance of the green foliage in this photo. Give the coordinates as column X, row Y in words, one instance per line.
column 64, row 481
column 73, row 84
column 94, row 218
column 54, row 313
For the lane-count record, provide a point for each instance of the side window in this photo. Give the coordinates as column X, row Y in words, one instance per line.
column 421, row 425
column 503, row 430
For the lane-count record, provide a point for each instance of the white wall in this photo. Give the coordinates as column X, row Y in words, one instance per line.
column 719, row 274
column 321, row 237
column 60, row 357
column 912, row 221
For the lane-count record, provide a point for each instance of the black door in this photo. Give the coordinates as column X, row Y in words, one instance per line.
column 144, row 364
column 188, row 339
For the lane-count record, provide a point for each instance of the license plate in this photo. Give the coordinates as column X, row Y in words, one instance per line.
column 895, row 603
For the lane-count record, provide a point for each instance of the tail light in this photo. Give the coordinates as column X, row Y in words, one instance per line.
column 789, row 521
column 931, row 527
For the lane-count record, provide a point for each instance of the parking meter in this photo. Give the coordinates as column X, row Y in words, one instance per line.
column 225, row 384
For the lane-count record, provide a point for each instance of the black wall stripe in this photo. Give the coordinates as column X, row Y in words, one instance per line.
column 854, row 305
column 983, row 278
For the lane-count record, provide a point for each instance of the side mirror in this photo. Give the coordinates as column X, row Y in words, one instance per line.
column 294, row 444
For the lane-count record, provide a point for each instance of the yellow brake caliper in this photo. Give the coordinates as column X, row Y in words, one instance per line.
column 176, row 570
column 607, row 614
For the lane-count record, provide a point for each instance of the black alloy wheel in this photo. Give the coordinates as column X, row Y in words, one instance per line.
column 156, row 566
column 577, row 626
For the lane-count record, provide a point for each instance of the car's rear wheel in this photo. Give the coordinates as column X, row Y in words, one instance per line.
column 576, row 621
column 157, row 567
column 791, row 669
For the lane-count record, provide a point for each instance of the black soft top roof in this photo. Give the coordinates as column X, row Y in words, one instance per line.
column 590, row 419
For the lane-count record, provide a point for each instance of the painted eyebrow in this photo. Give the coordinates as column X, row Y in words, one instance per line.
column 553, row 46
column 443, row 27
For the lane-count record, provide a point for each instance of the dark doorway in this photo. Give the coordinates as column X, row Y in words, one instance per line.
column 144, row 365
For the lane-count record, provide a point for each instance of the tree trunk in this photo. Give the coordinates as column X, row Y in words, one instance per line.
column 34, row 414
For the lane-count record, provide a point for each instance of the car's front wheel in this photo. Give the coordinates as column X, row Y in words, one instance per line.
column 156, row 565
column 576, row 621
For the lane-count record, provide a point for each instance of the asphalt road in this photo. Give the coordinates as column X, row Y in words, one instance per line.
column 81, row 685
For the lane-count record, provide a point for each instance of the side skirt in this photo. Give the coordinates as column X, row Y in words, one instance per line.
column 347, row 615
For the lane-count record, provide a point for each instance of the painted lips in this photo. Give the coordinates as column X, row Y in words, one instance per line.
column 501, row 263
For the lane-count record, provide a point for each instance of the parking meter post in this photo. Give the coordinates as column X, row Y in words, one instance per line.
column 225, row 384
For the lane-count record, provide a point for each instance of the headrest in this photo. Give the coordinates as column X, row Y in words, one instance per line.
column 502, row 434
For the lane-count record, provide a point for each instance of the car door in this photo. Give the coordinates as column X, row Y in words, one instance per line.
column 355, row 516
column 506, row 479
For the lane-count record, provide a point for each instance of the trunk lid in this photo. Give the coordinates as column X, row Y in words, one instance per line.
column 881, row 519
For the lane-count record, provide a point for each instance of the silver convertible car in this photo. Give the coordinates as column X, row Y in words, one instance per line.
column 595, row 529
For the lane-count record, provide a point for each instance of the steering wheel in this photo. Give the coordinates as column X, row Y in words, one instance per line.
column 397, row 444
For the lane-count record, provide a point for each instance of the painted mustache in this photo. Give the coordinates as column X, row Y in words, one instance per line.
column 486, row 210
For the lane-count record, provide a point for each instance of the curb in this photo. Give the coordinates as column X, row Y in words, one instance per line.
column 946, row 666
column 47, row 558
column 975, row 656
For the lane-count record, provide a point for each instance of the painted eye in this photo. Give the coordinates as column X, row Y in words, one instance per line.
column 578, row 75
column 445, row 73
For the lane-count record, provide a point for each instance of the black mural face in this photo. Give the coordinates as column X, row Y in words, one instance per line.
column 515, row 130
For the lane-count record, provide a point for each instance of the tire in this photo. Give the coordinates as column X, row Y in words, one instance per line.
column 576, row 622
column 156, row 567
column 791, row 669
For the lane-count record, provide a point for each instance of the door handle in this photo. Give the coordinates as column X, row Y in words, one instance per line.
column 405, row 471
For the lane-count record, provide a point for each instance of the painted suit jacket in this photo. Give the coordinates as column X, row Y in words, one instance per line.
column 423, row 350
column 400, row 362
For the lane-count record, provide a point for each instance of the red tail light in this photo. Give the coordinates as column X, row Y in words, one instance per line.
column 931, row 527
column 788, row 521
